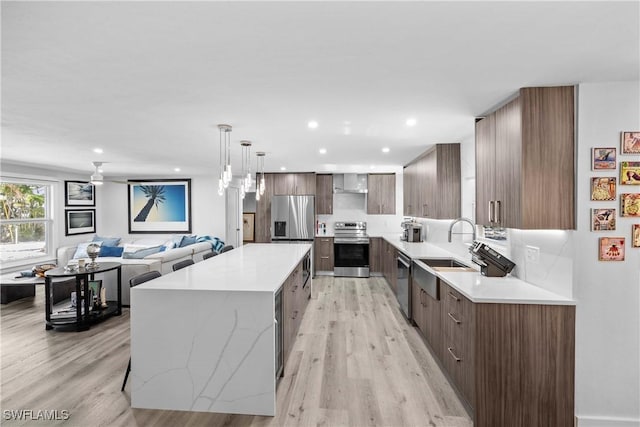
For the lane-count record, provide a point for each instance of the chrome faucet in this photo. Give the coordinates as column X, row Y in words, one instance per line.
column 473, row 227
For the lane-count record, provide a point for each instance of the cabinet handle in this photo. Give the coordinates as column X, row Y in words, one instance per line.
column 330, row 208
column 295, row 314
column 294, row 288
column 456, row 358
column 324, row 257
column 491, row 210
column 453, row 296
column 324, row 240
column 498, row 211
column 453, row 318
column 424, row 210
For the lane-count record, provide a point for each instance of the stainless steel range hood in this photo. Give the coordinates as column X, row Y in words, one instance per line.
column 350, row 183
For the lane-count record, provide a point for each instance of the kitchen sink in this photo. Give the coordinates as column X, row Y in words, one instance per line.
column 443, row 262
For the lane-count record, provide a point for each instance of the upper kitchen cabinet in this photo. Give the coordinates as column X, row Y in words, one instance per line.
column 263, row 212
column 324, row 194
column 300, row 184
column 525, row 161
column 432, row 183
column 381, row 197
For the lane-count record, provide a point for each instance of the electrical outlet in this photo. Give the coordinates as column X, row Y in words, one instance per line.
column 533, row 254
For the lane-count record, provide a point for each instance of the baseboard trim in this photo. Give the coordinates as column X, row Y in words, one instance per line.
column 583, row 421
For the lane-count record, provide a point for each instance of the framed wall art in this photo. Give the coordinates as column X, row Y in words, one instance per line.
column 630, row 142
column 611, row 249
column 81, row 221
column 630, row 204
column 160, row 206
column 635, row 235
column 603, row 219
column 603, row 188
column 79, row 193
column 630, row 173
column 603, row 158
column 248, row 227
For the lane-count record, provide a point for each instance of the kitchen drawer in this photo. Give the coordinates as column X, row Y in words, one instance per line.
column 323, row 256
column 457, row 308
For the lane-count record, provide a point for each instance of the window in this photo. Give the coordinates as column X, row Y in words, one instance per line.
column 25, row 221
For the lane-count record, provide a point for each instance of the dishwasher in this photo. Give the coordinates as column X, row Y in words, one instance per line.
column 403, row 292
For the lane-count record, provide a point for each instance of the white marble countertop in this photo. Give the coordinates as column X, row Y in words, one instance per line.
column 475, row 286
column 261, row 267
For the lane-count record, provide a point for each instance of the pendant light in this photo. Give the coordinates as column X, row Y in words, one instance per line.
column 245, row 183
column 225, row 158
column 259, row 174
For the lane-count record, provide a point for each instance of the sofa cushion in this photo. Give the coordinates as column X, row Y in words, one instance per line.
column 141, row 253
column 107, row 241
column 187, row 240
column 112, row 251
column 81, row 250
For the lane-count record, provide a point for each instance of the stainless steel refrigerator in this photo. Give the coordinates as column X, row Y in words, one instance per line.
column 292, row 218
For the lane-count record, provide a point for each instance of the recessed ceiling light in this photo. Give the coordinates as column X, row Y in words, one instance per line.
column 385, row 150
column 323, row 151
column 98, row 150
column 176, row 169
column 411, row 121
column 282, row 168
column 312, row 124
column 372, row 167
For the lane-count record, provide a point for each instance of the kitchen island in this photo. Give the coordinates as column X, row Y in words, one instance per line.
column 203, row 338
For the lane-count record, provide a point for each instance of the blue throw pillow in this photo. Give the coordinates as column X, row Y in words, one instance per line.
column 187, row 240
column 141, row 253
column 107, row 241
column 111, row 251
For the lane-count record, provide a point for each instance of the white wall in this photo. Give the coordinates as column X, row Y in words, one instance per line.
column 608, row 311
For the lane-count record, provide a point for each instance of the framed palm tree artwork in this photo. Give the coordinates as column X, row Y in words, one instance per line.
column 160, row 206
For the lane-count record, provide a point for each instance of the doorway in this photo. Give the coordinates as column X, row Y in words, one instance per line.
column 233, row 231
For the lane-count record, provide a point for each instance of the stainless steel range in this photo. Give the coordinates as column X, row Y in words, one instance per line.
column 351, row 249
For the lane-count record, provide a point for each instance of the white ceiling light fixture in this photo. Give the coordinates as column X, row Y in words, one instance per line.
column 98, row 150
column 176, row 169
column 411, row 121
column 260, row 186
column 312, row 124
column 282, row 168
column 385, row 150
column 225, row 158
column 323, row 151
column 246, row 168
column 97, row 178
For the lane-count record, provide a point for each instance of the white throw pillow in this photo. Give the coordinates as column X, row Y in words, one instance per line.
column 130, row 248
column 81, row 250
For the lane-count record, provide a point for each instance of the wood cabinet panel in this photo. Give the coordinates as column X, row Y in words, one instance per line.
column 324, row 194
column 381, row 197
column 375, row 264
column 295, row 300
column 525, row 161
column 433, row 183
column 323, row 254
column 263, row 212
column 304, row 184
column 417, row 307
column 284, row 184
column 431, row 319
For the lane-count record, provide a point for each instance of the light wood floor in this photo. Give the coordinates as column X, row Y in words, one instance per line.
column 356, row 362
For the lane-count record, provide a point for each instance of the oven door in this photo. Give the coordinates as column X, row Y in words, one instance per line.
column 351, row 259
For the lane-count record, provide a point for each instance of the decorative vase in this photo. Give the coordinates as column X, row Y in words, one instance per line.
column 93, row 250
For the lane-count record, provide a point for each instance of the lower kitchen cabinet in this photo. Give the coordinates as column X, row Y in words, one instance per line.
column 388, row 254
column 323, row 257
column 512, row 363
column 295, row 300
column 375, row 265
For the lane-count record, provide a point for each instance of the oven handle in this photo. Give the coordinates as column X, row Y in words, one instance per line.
column 403, row 261
column 350, row 242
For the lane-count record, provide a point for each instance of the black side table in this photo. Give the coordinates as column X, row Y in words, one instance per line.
column 83, row 318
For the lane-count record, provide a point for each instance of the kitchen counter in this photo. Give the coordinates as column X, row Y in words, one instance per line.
column 203, row 337
column 475, row 286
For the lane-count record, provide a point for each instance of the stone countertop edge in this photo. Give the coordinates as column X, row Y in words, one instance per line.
column 475, row 286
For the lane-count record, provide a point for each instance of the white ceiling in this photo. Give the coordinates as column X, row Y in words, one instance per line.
column 149, row 81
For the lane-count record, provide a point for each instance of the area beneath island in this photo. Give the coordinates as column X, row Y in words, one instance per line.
column 204, row 338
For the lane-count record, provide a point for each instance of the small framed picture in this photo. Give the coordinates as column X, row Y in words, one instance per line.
column 630, row 142
column 94, row 290
column 603, row 219
column 630, row 173
column 630, row 204
column 603, row 158
column 603, row 188
column 611, row 249
column 81, row 221
column 79, row 193
column 635, row 235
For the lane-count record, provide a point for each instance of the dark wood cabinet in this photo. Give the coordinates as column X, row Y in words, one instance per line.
column 512, row 363
column 375, row 265
column 323, row 254
column 263, row 212
column 525, row 161
column 324, row 194
column 388, row 256
column 426, row 313
column 381, row 197
column 432, row 183
column 295, row 300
